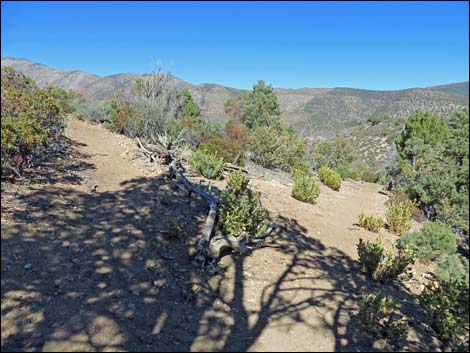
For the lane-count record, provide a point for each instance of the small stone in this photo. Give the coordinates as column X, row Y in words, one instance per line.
column 27, row 266
column 379, row 344
column 131, row 306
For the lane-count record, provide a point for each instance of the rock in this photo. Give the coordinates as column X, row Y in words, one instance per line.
column 27, row 266
column 379, row 344
column 427, row 275
column 131, row 306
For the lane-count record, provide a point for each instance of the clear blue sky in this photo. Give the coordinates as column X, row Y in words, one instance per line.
column 373, row 45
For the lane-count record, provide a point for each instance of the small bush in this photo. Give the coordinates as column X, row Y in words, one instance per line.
column 375, row 119
column 329, row 177
column 301, row 168
column 31, row 118
column 398, row 215
column 238, row 181
column 381, row 265
column 433, row 241
column 370, row 254
column 88, row 109
column 379, row 316
column 370, row 222
column 206, row 164
column 273, row 148
column 236, row 131
column 395, row 262
column 447, row 302
column 453, row 269
column 305, row 189
column 229, row 150
column 240, row 207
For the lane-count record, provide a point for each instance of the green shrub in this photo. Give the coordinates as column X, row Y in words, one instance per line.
column 379, row 316
column 399, row 214
column 453, row 268
column 238, row 181
column 191, row 109
column 240, row 207
column 329, row 177
column 394, row 263
column 273, row 148
column 370, row 254
column 30, row 117
column 433, row 165
column 337, row 153
column 447, row 302
column 229, row 150
column 206, row 164
column 88, row 109
column 305, row 189
column 256, row 108
column 381, row 265
column 370, row 222
column 368, row 174
column 301, row 168
column 375, row 119
column 433, row 241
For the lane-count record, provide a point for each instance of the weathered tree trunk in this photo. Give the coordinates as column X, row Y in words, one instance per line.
column 211, row 244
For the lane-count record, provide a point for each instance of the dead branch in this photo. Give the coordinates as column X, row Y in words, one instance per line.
column 211, row 244
column 241, row 243
column 229, row 167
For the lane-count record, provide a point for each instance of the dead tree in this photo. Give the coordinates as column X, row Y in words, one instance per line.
column 213, row 241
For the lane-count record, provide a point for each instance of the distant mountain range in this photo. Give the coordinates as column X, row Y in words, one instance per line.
column 320, row 108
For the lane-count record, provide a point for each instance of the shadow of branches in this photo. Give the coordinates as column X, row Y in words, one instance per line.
column 103, row 271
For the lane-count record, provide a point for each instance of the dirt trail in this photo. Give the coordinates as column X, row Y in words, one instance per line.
column 97, row 270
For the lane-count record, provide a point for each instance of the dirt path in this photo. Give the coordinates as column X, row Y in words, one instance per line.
column 96, row 269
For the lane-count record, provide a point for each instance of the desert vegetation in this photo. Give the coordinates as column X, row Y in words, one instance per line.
column 32, row 121
column 370, row 222
column 381, row 264
column 429, row 179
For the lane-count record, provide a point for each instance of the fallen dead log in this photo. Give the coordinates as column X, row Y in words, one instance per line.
column 241, row 243
column 212, row 242
column 229, row 167
column 154, row 151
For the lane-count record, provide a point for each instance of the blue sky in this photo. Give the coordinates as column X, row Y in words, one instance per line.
column 371, row 45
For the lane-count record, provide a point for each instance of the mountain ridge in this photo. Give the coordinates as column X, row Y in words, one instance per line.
column 335, row 108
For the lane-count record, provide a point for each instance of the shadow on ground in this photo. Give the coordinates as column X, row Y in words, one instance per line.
column 104, row 272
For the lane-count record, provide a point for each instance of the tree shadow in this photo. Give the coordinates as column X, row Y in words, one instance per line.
column 318, row 289
column 104, row 270
column 62, row 162
column 105, row 273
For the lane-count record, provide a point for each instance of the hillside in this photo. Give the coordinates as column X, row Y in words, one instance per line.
column 316, row 110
